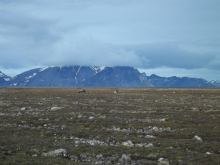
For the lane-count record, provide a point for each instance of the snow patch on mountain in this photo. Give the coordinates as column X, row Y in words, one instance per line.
column 78, row 70
column 102, row 68
column 1, row 74
column 97, row 69
column 7, row 79
column 141, row 79
column 34, row 74
column 94, row 68
column 15, row 84
column 42, row 69
column 215, row 82
column 77, row 73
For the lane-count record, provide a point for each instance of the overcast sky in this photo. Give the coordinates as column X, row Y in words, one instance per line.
column 163, row 37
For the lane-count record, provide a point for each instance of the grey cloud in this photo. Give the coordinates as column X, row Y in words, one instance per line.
column 145, row 34
column 74, row 50
column 174, row 56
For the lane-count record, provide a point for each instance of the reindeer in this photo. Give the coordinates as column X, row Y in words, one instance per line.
column 116, row 91
column 81, row 90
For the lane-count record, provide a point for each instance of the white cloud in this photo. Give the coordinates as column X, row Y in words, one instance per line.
column 145, row 34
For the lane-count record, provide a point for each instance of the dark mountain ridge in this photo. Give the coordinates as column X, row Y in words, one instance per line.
column 174, row 81
column 117, row 76
column 4, row 79
column 81, row 76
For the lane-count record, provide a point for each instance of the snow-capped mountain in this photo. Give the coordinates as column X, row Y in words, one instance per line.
column 81, row 76
column 117, row 76
column 174, row 81
column 4, row 79
column 215, row 82
column 98, row 76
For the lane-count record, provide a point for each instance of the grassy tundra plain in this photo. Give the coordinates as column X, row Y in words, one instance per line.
column 134, row 126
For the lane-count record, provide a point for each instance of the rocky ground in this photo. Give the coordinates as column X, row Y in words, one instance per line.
column 134, row 126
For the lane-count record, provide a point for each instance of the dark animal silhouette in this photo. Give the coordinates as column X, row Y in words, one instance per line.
column 81, row 90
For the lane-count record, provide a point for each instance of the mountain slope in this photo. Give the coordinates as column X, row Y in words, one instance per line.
column 53, row 76
column 215, row 82
column 119, row 76
column 4, row 79
column 81, row 76
column 174, row 81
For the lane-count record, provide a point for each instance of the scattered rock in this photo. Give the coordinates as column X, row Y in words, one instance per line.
column 24, row 108
column 57, row 153
column 155, row 129
column 100, row 159
column 116, row 129
column 83, row 157
column 167, row 129
column 56, row 108
column 160, row 159
column 148, row 130
column 124, row 159
column 128, row 143
column 149, row 145
column 140, row 145
column 197, row 138
column 150, row 137
column 162, row 120
column 163, row 161
column 208, row 153
column 63, row 126
column 34, row 155
column 112, row 160
column 196, row 109
column 74, row 158
column 102, row 117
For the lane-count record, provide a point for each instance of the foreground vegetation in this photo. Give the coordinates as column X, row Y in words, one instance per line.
column 172, row 125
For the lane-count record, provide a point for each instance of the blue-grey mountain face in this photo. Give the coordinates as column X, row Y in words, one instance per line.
column 117, row 76
column 216, row 83
column 4, row 79
column 178, row 82
column 98, row 76
column 53, row 76
column 81, row 76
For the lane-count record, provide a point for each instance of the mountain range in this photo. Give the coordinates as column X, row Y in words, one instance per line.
column 118, row 76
